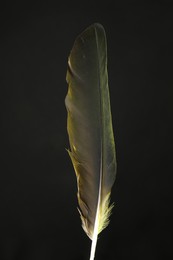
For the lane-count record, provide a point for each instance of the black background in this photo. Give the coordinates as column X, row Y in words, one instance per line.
column 38, row 215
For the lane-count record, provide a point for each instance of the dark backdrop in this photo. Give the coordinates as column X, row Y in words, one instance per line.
column 38, row 205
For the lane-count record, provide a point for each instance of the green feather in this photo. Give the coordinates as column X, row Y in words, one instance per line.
column 89, row 124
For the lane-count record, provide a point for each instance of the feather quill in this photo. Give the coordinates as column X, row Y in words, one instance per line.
column 89, row 126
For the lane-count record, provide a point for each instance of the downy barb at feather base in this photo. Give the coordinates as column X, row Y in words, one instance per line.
column 89, row 125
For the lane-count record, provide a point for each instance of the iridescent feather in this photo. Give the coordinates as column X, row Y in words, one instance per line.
column 89, row 124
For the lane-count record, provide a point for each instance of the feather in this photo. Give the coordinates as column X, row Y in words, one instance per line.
column 89, row 126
